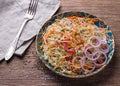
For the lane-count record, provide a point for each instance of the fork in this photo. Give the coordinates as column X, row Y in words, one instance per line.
column 28, row 16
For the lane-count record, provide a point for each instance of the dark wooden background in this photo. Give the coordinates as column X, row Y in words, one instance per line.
column 29, row 71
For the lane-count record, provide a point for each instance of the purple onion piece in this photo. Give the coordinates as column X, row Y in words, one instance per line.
column 101, row 60
column 104, row 47
column 87, row 70
column 94, row 41
column 89, row 52
column 73, row 60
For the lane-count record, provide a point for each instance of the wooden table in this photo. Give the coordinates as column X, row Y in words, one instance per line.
column 29, row 71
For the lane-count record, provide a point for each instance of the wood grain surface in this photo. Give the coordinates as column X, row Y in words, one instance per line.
column 29, row 71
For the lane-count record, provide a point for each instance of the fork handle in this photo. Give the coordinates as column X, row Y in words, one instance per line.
column 14, row 43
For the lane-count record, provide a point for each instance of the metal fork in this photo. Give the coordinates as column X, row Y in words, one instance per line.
column 28, row 16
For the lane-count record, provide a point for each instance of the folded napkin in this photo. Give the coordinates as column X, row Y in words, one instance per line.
column 11, row 17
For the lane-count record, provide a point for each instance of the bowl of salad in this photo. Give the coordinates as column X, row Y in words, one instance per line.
column 75, row 44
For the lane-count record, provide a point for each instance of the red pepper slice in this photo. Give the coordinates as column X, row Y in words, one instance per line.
column 70, row 51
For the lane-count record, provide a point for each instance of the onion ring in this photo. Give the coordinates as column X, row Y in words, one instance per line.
column 100, row 34
column 101, row 60
column 89, row 66
column 89, row 52
column 104, row 47
column 95, row 56
column 76, row 62
column 94, row 41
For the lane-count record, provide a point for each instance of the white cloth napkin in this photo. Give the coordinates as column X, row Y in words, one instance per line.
column 11, row 17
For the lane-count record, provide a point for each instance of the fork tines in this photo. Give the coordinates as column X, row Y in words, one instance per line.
column 32, row 6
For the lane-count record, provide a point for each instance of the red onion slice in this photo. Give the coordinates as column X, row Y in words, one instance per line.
column 95, row 55
column 76, row 61
column 100, row 34
column 94, row 41
column 90, row 51
column 88, row 65
column 104, row 47
column 101, row 60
